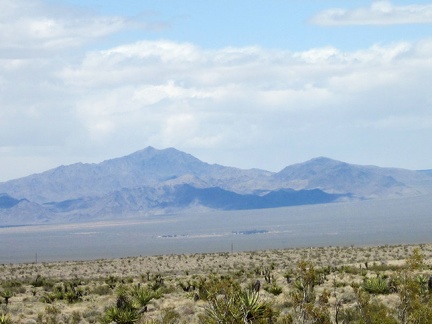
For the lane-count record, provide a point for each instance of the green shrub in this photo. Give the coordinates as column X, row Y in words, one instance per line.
column 237, row 307
column 377, row 285
column 169, row 316
column 273, row 289
column 5, row 319
column 130, row 303
column 102, row 290
column 38, row 282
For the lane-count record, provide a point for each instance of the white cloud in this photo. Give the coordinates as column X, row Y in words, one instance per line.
column 124, row 98
column 29, row 28
column 315, row 84
column 93, row 105
column 379, row 13
column 408, row 122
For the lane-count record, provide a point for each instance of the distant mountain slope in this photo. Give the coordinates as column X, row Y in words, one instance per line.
column 363, row 181
column 148, row 167
column 159, row 181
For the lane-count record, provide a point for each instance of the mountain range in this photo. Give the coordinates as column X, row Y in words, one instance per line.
column 152, row 181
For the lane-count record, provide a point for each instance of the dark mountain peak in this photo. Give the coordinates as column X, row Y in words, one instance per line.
column 7, row 201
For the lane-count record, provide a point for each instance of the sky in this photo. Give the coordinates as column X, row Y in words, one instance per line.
column 245, row 83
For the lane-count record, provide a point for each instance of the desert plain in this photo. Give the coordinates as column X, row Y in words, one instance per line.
column 187, row 288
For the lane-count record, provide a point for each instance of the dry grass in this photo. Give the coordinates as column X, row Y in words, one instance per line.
column 31, row 283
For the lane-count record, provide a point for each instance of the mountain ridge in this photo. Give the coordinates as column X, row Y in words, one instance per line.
column 152, row 181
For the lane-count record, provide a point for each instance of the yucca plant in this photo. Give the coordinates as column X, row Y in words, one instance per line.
column 250, row 305
column 111, row 281
column 5, row 319
column 222, row 309
column 422, row 282
column 377, row 285
column 48, row 298
column 273, row 289
column 130, row 303
column 237, row 307
column 119, row 316
column 142, row 296
column 6, row 294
